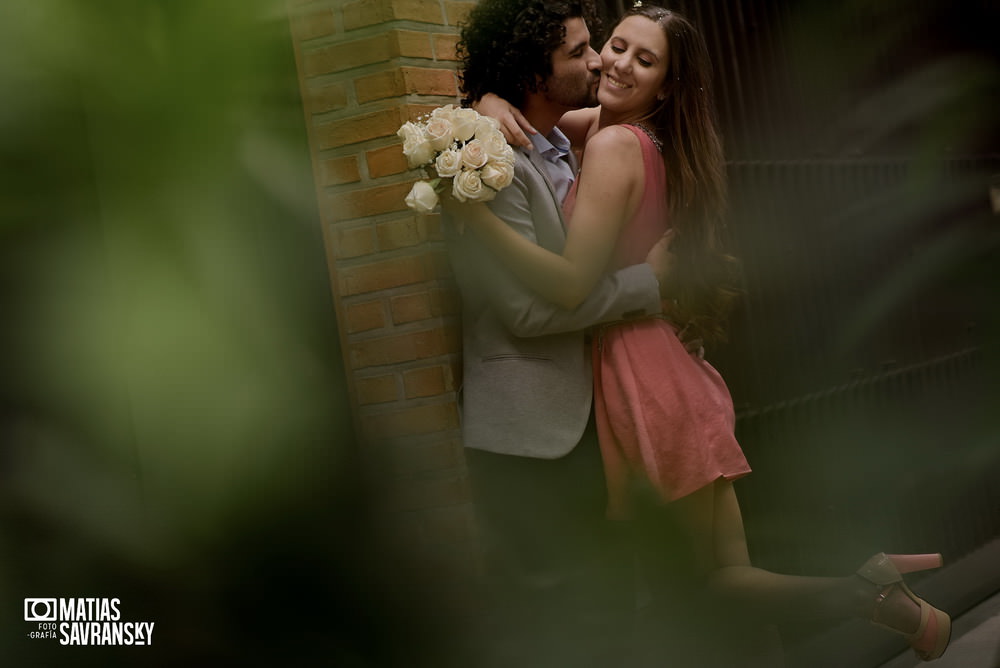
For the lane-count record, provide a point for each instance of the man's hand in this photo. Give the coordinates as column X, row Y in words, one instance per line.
column 514, row 126
column 662, row 261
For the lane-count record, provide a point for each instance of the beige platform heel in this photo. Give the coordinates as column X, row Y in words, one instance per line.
column 886, row 572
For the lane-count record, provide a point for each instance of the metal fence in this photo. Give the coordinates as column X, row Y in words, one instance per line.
column 904, row 460
column 863, row 360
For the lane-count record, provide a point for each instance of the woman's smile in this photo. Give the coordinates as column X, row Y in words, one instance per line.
column 616, row 83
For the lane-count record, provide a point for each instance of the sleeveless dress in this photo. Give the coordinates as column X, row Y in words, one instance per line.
column 665, row 417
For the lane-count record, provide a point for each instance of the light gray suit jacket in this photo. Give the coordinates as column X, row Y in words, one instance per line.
column 527, row 380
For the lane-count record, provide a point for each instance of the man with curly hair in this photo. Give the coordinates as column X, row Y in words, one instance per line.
column 527, row 418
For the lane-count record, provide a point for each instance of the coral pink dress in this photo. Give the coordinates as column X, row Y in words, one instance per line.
column 664, row 416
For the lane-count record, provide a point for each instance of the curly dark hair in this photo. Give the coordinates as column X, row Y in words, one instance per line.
column 506, row 46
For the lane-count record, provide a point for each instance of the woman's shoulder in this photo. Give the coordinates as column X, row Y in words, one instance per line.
column 577, row 124
column 614, row 140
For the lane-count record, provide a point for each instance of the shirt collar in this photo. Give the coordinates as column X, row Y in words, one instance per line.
column 553, row 146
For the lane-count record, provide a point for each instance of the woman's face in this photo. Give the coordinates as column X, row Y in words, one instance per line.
column 634, row 65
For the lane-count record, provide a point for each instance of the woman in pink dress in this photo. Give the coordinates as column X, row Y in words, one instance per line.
column 652, row 172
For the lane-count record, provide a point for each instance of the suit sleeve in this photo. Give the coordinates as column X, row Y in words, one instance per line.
column 531, row 211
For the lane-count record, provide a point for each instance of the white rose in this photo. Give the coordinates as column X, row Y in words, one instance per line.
column 464, row 122
column 409, row 131
column 422, row 197
column 497, row 174
column 418, row 153
column 474, row 154
column 416, row 148
column 486, row 125
column 439, row 133
column 446, row 112
column 448, row 163
column 496, row 146
column 468, row 186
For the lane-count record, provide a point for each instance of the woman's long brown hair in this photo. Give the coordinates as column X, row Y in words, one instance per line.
column 707, row 278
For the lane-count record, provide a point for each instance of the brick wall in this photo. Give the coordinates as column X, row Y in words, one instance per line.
column 365, row 67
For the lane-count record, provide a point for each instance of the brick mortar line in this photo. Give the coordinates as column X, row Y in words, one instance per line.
column 373, row 221
column 399, row 291
column 384, row 104
column 377, row 29
column 398, row 369
column 390, row 254
column 405, row 328
column 358, row 186
column 350, row 75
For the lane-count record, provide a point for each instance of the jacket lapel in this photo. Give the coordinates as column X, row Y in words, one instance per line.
column 538, row 162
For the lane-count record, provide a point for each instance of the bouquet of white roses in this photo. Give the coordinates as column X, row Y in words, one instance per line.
column 458, row 144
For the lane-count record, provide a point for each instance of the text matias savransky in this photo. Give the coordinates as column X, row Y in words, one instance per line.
column 85, row 621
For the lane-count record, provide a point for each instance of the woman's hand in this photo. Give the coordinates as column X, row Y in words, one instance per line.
column 474, row 214
column 514, row 126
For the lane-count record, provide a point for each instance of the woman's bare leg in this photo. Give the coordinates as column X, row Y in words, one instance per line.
column 714, row 522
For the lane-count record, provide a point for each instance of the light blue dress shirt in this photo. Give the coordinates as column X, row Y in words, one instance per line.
column 555, row 150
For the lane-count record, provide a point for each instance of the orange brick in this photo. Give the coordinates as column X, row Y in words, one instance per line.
column 427, row 382
column 365, row 316
column 412, row 421
column 445, row 46
column 412, row 44
column 366, row 13
column 385, row 274
column 413, row 112
column 410, row 308
column 318, row 23
column 457, row 11
column 370, row 201
column 429, row 81
column 379, row 389
column 386, row 161
column 337, row 171
column 348, row 55
column 408, row 347
column 403, row 81
column 379, row 86
column 382, row 123
column 400, row 233
column 426, row 11
column 353, row 242
column 329, row 97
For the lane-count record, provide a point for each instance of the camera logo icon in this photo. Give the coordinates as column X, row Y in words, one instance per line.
column 40, row 610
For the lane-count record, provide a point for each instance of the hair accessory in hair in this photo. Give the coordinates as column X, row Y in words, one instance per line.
column 637, row 4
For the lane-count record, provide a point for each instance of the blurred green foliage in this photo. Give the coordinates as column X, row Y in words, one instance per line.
column 174, row 421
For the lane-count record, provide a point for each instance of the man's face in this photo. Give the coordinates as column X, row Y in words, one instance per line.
column 576, row 69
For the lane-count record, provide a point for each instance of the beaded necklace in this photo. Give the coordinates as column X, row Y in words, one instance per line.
column 652, row 136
